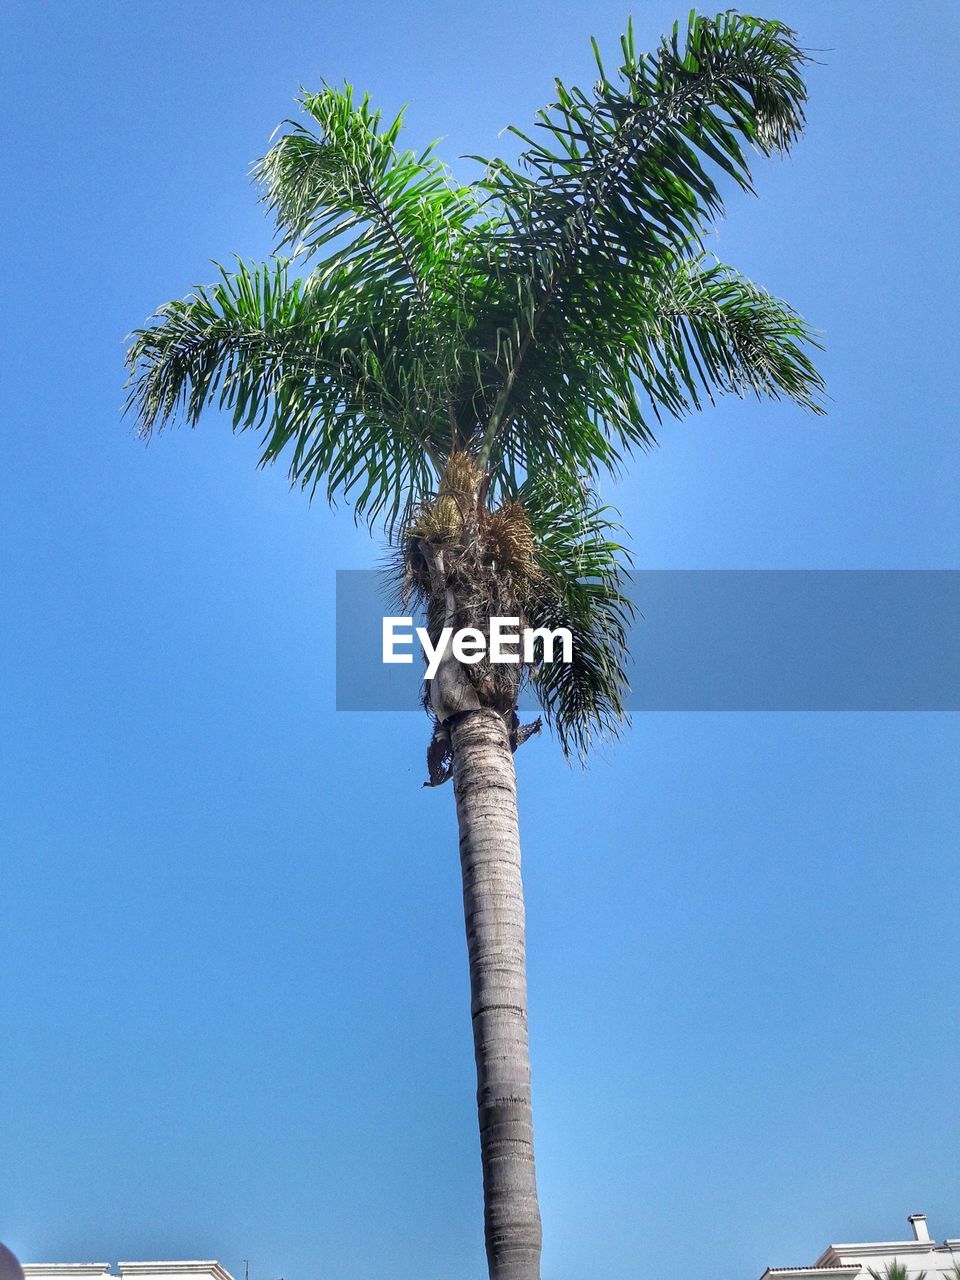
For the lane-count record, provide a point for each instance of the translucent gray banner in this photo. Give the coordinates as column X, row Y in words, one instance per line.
column 728, row 640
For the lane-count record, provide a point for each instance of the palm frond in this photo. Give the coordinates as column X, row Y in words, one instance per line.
column 897, row 1270
column 627, row 174
column 581, row 587
column 708, row 330
column 342, row 188
column 319, row 366
column 346, row 185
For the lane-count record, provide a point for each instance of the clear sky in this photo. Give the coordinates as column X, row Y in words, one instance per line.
column 235, row 1006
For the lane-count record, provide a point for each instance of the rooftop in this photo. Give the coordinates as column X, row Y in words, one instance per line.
column 844, row 1261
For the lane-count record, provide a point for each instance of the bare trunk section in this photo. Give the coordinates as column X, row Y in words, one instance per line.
column 486, row 792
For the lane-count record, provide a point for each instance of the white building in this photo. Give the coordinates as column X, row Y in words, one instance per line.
column 125, row 1270
column 856, row 1261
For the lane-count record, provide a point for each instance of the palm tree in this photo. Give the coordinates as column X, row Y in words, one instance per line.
column 462, row 364
column 897, row 1270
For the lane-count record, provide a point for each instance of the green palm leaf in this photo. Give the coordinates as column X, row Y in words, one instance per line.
column 619, row 180
column 582, row 588
column 317, row 365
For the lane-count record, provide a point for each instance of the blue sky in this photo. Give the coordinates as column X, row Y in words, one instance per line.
column 235, row 1004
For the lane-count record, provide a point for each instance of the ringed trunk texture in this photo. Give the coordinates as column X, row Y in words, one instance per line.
column 485, row 784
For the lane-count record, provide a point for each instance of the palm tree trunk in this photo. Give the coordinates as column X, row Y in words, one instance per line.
column 486, row 792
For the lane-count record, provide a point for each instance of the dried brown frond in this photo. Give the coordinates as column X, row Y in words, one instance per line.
column 464, row 564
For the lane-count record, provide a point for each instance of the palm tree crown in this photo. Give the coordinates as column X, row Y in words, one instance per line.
column 461, row 363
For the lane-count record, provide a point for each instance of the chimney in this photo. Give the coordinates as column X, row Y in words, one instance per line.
column 919, row 1223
